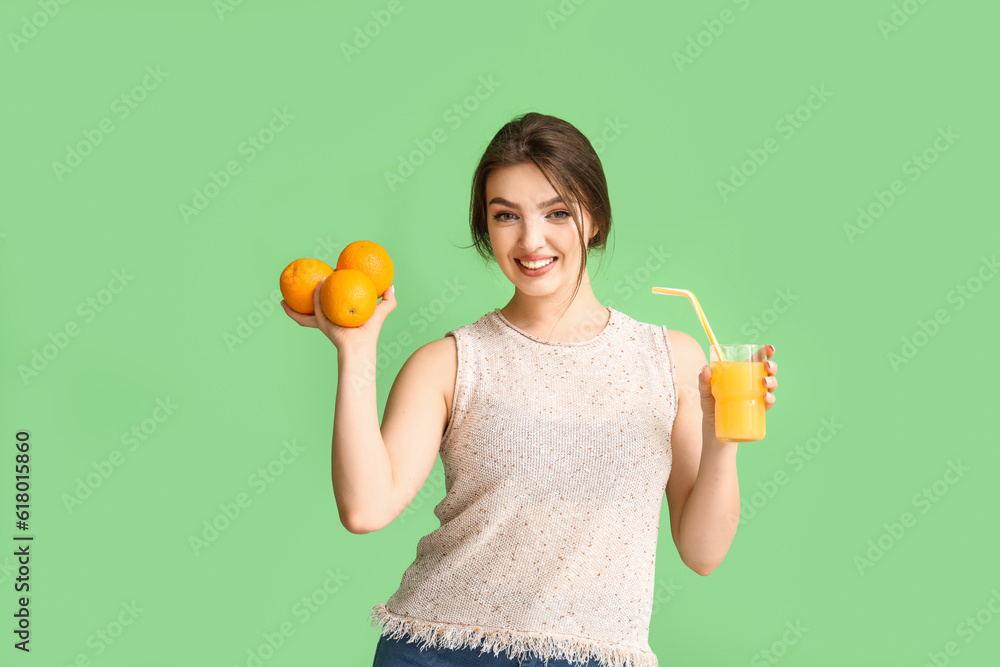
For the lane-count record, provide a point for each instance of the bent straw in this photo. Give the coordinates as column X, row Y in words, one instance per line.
column 697, row 307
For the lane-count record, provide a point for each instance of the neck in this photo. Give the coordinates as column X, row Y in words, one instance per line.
column 544, row 317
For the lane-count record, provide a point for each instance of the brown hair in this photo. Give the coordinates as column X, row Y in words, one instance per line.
column 570, row 164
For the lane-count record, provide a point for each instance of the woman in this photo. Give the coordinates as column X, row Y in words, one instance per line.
column 560, row 424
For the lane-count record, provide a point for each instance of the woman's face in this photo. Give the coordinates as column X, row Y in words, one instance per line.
column 526, row 220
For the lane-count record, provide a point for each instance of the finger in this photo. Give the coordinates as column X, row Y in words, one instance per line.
column 705, row 381
column 770, row 382
column 771, row 367
column 705, row 374
column 389, row 298
column 321, row 318
column 382, row 308
column 300, row 318
column 769, row 400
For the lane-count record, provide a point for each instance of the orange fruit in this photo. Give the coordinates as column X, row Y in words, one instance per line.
column 371, row 258
column 299, row 280
column 348, row 297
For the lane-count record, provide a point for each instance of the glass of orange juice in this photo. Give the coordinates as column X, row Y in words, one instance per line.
column 738, row 388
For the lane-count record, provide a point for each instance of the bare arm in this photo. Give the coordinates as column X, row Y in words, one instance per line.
column 360, row 463
column 703, row 491
column 377, row 470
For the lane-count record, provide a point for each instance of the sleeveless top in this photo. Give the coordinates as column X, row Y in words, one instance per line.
column 556, row 459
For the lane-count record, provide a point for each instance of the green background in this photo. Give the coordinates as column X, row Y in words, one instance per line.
column 195, row 324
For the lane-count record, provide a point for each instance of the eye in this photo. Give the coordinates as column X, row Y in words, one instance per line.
column 563, row 217
column 499, row 217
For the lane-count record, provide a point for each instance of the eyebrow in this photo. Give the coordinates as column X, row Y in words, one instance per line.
column 501, row 200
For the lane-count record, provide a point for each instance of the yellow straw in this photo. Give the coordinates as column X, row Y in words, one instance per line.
column 697, row 307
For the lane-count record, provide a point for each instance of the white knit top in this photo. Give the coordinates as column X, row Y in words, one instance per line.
column 556, row 460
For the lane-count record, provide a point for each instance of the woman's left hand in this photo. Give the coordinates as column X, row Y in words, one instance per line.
column 705, row 387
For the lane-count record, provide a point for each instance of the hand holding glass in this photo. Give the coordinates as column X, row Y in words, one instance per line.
column 738, row 387
column 737, row 381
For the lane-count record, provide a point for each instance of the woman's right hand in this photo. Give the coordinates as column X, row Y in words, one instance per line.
column 364, row 336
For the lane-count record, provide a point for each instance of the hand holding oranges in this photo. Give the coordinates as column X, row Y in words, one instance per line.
column 337, row 300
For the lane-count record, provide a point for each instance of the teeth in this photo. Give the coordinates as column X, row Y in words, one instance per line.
column 536, row 265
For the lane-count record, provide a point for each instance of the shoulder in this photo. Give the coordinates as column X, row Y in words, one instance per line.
column 444, row 350
column 441, row 353
column 688, row 355
column 435, row 363
column 683, row 345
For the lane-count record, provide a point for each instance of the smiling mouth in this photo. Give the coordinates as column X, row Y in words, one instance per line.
column 548, row 261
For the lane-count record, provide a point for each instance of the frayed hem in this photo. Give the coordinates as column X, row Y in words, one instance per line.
column 428, row 634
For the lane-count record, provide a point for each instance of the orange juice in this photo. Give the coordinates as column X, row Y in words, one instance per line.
column 739, row 400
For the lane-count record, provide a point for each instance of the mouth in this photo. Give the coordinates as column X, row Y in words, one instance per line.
column 538, row 270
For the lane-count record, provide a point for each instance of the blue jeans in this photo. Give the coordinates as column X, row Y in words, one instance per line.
column 398, row 653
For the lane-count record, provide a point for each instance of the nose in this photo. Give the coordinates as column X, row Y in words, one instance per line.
column 532, row 237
